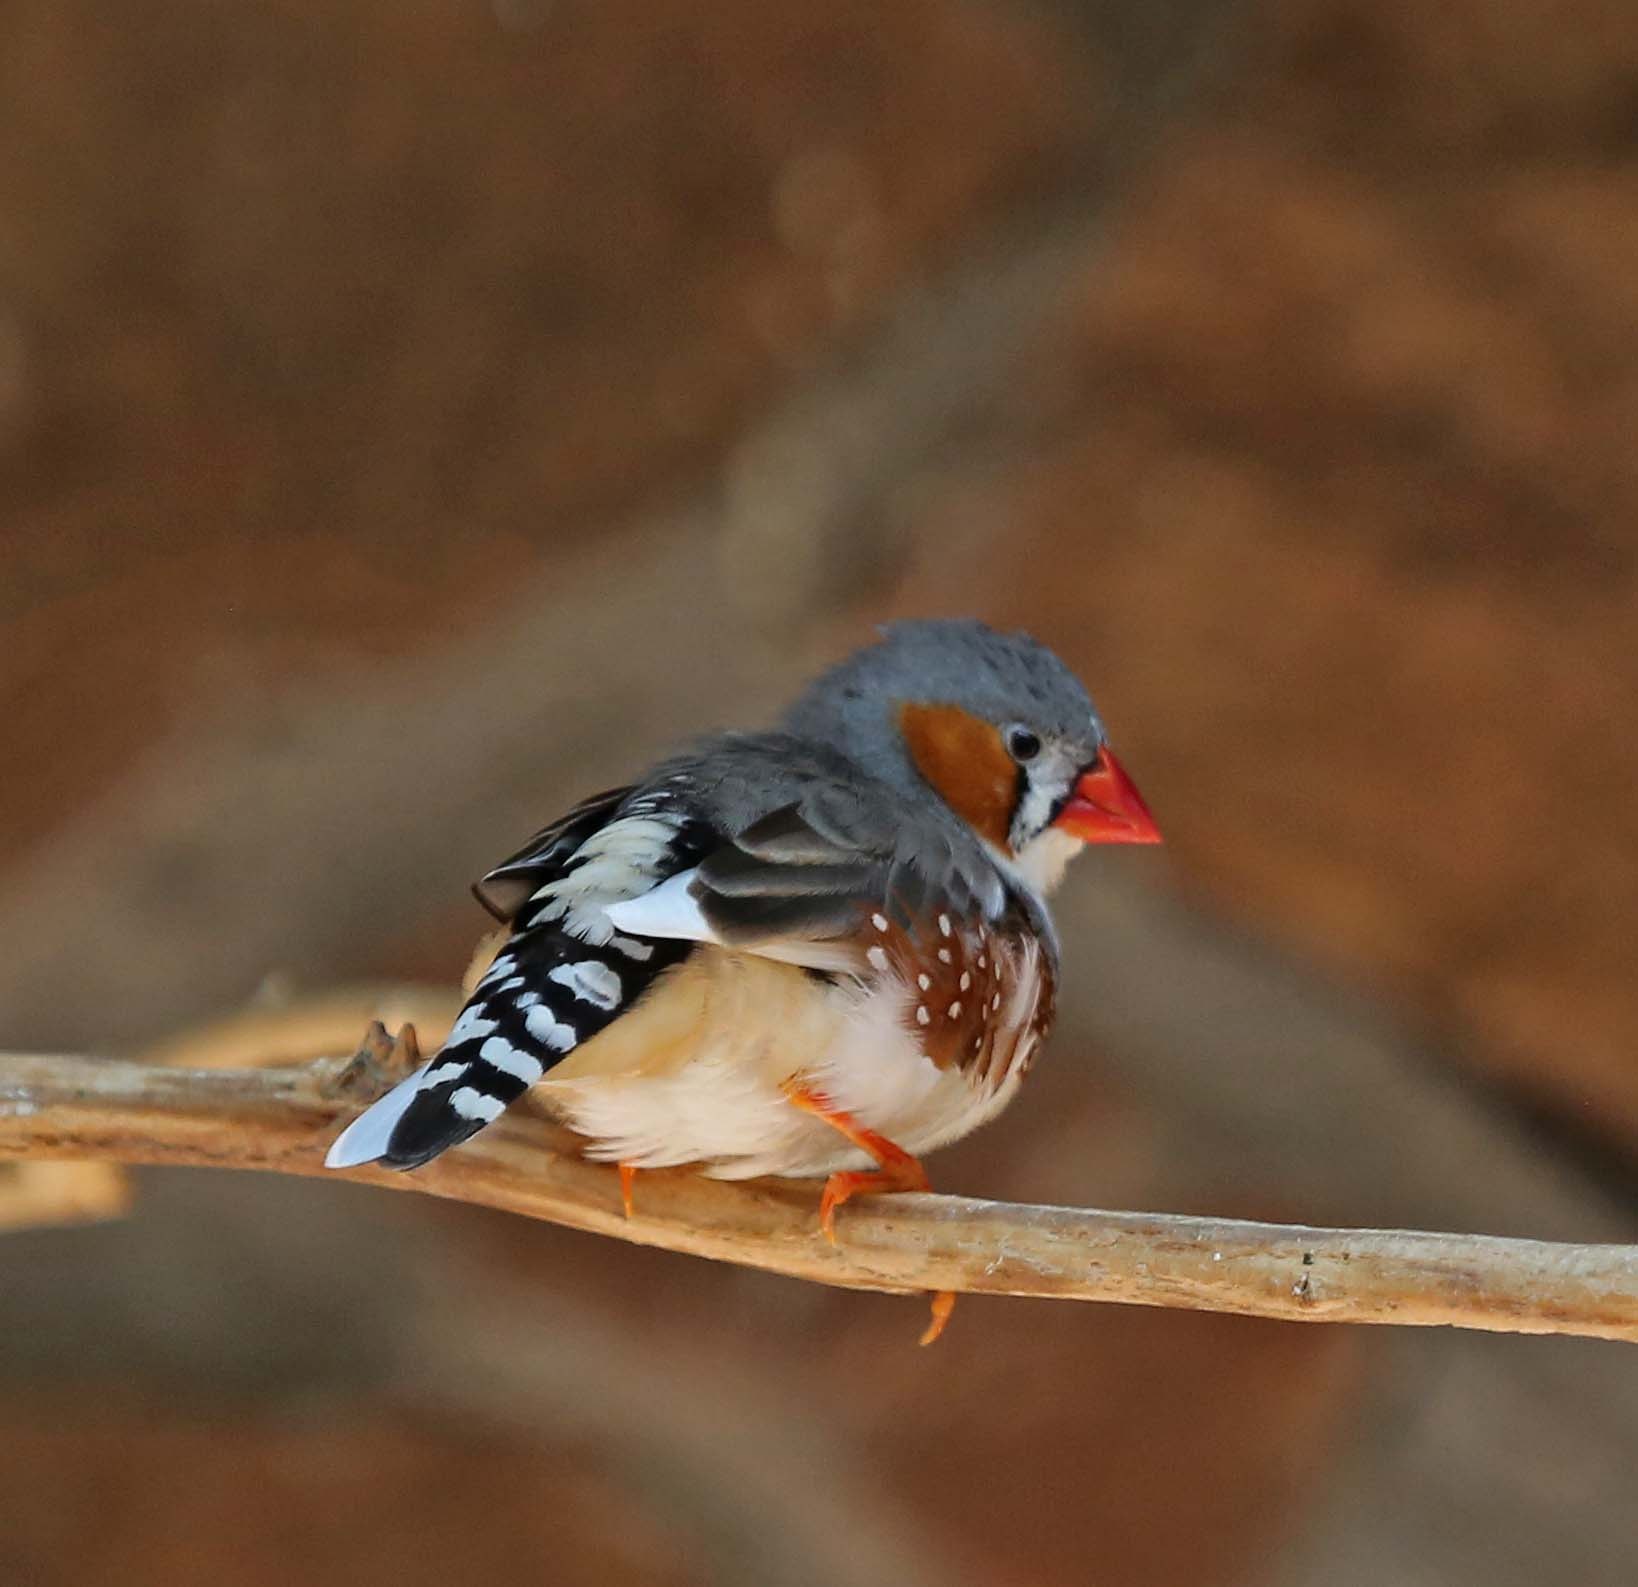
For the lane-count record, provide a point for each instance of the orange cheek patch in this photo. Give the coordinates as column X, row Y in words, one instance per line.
column 964, row 759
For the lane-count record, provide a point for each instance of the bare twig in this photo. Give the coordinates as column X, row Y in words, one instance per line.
column 281, row 1119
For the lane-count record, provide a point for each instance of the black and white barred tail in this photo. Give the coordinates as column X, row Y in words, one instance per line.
column 564, row 974
column 543, row 996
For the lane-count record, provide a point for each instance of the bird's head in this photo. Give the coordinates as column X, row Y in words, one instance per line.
column 994, row 725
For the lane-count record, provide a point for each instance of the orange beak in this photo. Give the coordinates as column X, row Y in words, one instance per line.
column 1106, row 807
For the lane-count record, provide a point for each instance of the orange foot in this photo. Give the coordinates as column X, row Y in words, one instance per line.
column 628, row 1183
column 896, row 1170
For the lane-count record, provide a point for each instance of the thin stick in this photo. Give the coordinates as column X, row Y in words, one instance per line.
column 281, row 1119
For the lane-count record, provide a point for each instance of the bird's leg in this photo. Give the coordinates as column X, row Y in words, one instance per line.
column 897, row 1170
column 628, row 1183
column 943, row 1305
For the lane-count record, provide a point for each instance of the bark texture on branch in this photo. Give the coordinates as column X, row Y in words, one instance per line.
column 281, row 1119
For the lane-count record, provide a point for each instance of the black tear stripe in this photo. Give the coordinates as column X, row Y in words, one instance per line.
column 522, row 1022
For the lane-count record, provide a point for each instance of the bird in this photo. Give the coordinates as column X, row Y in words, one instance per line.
column 820, row 949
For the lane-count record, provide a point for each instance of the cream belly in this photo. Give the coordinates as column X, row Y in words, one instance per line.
column 697, row 1073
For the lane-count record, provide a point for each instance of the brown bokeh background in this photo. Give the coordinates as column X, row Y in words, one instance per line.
column 412, row 417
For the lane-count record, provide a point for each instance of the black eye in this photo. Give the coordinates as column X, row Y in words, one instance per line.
column 1022, row 744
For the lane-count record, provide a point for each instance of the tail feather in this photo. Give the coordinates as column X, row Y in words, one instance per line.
column 543, row 996
column 445, row 1102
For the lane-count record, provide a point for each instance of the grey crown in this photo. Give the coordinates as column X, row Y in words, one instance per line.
column 829, row 812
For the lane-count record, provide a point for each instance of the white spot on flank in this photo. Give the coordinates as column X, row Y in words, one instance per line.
column 944, row 925
column 922, row 1016
column 591, row 981
column 549, row 1030
column 924, row 981
column 879, row 922
column 472, row 1104
column 877, row 958
column 955, row 1010
column 527, row 999
column 995, row 1002
column 501, row 1054
column 983, row 963
column 966, row 980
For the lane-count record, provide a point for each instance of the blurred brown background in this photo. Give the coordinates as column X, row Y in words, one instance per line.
column 415, row 416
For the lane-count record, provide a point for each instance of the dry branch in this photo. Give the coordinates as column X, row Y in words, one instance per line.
column 281, row 1119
